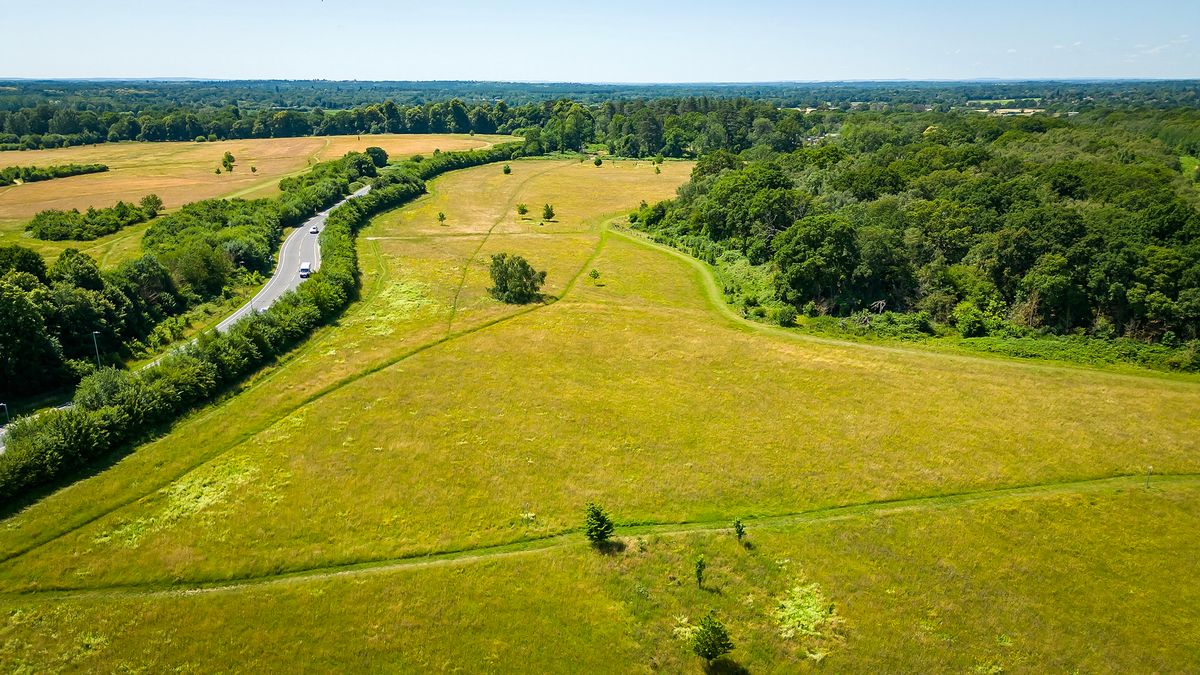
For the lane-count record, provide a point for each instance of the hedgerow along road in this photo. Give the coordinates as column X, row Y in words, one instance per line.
column 301, row 246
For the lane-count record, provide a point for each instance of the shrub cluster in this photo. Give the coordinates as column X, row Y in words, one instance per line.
column 56, row 225
column 32, row 174
column 113, row 408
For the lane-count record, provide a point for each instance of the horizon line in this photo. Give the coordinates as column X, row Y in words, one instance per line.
column 616, row 83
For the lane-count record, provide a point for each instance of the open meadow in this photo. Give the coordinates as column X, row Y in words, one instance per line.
column 411, row 482
column 180, row 173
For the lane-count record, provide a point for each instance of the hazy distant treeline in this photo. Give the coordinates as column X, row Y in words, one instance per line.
column 48, row 115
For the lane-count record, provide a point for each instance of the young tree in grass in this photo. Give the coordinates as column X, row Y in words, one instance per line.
column 595, row 275
column 598, row 526
column 514, row 280
column 227, row 161
column 441, row 218
column 151, row 205
column 253, row 169
column 218, row 171
column 522, row 209
column 710, row 640
column 700, row 565
column 657, row 170
column 597, row 161
column 547, row 212
column 507, row 169
column 739, row 529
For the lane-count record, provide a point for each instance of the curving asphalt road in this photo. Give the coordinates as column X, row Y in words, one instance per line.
column 300, row 246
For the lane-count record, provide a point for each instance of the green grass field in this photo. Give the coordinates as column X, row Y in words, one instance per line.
column 406, row 490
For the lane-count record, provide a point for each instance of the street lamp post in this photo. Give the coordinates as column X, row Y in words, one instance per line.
column 97, row 346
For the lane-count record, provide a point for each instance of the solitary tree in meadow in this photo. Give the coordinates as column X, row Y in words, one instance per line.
column 597, row 161
column 514, row 280
column 594, row 274
column 547, row 212
column 598, row 526
column 739, row 529
column 507, row 169
column 700, row 565
column 441, row 218
column 522, row 209
column 227, row 161
column 253, row 169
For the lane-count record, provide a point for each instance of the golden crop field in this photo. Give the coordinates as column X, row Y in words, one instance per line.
column 411, row 481
column 180, row 173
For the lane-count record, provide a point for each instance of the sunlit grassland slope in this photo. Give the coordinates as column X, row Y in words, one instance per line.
column 960, row 512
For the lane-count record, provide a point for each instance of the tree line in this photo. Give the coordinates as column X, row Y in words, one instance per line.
column 634, row 127
column 1004, row 227
column 114, row 407
column 139, row 95
column 10, row 175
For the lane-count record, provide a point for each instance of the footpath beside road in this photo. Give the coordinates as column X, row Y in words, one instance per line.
column 299, row 247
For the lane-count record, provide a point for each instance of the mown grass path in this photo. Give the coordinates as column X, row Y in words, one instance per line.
column 574, row 537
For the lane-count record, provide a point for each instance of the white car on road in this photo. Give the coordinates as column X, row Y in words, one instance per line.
column 313, row 230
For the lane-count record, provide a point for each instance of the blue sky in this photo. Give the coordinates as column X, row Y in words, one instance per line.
column 615, row 41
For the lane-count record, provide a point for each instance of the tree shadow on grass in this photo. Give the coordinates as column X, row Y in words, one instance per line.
column 725, row 666
column 610, row 547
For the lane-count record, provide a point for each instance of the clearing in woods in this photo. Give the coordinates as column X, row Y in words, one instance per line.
column 180, row 173
column 411, row 482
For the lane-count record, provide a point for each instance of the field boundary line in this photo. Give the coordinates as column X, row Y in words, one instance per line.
column 471, row 260
column 574, row 537
column 716, row 299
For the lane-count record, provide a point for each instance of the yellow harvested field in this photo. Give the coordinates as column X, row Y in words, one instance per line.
column 186, row 172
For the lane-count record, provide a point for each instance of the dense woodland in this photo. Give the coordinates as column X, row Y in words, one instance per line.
column 997, row 226
column 138, row 95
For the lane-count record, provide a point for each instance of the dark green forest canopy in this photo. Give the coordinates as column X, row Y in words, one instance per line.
column 996, row 225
